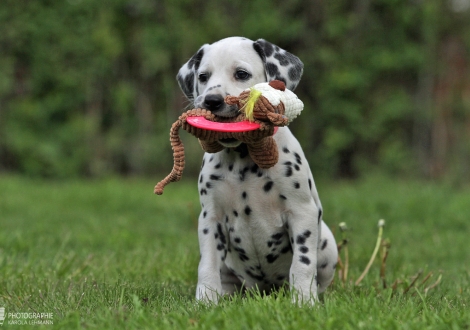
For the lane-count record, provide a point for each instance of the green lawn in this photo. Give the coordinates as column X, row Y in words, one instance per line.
column 109, row 254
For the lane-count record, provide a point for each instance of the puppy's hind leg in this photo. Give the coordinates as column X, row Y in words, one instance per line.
column 230, row 282
column 327, row 258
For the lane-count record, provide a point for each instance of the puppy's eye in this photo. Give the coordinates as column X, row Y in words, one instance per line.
column 203, row 77
column 242, row 75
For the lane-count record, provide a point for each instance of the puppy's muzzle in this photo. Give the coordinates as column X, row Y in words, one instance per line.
column 216, row 104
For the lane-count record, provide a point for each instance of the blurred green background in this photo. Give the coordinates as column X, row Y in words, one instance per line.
column 88, row 89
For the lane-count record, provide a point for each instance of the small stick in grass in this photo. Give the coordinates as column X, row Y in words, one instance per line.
column 374, row 254
column 395, row 284
column 427, row 277
column 385, row 249
column 413, row 282
column 432, row 286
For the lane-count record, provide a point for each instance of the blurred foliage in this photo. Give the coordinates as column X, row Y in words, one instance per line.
column 87, row 88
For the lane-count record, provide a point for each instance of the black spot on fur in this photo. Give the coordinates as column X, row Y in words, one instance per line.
column 242, row 173
column 208, row 185
column 277, row 236
column 272, row 69
column 320, row 212
column 254, row 168
column 200, row 178
column 204, row 214
column 237, row 240
column 323, row 265
column 218, row 165
column 196, row 59
column 270, row 258
column 205, row 230
column 303, row 237
column 235, row 213
column 296, row 185
column 288, row 171
column 298, row 159
column 285, row 150
column 282, row 197
column 283, row 60
column 287, row 248
column 220, row 246
column 256, row 277
column 187, row 84
column 310, row 184
column 241, row 254
column 221, row 233
column 230, row 167
column 215, row 177
column 294, row 73
column 324, row 244
column 281, row 78
column 267, row 187
column 268, row 48
column 203, row 192
column 244, row 195
column 247, row 210
column 304, row 260
column 303, row 249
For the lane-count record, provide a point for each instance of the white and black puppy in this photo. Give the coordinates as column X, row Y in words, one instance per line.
column 258, row 228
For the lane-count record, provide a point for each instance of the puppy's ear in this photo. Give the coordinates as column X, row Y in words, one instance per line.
column 279, row 64
column 187, row 75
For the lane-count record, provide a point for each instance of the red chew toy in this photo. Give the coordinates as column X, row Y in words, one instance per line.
column 241, row 126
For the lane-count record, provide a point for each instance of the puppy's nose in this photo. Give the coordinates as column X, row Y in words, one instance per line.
column 213, row 102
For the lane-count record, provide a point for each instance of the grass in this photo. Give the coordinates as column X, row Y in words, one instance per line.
column 109, row 254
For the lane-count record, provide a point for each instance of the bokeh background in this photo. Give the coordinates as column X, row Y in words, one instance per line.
column 88, row 89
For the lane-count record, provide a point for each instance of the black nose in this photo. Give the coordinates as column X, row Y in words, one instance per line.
column 213, row 102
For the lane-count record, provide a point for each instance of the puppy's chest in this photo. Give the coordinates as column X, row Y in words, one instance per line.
column 250, row 207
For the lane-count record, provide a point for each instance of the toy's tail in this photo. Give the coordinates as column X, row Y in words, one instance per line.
column 178, row 158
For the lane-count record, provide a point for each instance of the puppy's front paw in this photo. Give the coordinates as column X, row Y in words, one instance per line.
column 207, row 294
column 308, row 299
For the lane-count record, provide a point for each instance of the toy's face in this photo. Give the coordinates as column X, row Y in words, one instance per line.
column 227, row 67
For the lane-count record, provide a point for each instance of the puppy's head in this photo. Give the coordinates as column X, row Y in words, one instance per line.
column 231, row 65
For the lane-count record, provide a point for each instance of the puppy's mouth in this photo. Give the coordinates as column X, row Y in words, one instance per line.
column 230, row 143
column 226, row 111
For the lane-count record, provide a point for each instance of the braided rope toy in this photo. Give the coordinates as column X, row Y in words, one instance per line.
column 262, row 108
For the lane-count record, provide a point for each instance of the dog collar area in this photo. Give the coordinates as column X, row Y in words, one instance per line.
column 241, row 126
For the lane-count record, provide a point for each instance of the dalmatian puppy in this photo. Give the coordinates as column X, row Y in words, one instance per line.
column 258, row 228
